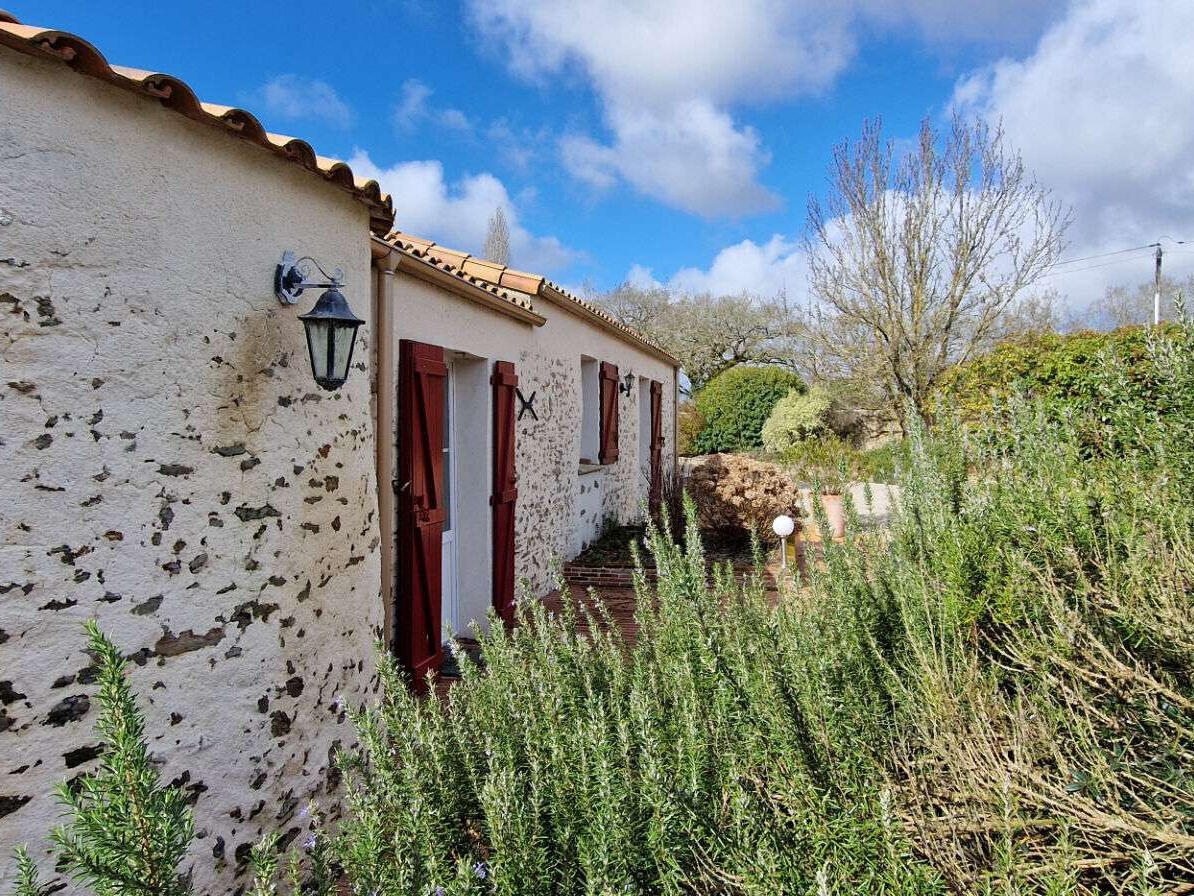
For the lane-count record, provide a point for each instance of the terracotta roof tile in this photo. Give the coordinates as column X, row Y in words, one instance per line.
column 48, row 43
column 431, row 254
column 498, row 275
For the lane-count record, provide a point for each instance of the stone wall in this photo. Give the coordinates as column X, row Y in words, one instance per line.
column 170, row 468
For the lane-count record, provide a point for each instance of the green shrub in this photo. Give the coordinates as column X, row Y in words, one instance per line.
column 795, row 417
column 700, row 759
column 1007, row 674
column 824, row 460
column 884, row 463
column 1061, row 369
column 736, row 403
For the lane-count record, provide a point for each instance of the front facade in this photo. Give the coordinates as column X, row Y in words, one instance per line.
column 173, row 471
column 579, row 418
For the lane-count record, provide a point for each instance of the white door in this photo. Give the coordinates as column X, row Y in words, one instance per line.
column 449, row 598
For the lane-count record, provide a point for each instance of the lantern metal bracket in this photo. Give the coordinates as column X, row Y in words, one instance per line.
column 291, row 278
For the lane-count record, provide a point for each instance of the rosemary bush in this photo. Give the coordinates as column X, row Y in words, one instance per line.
column 993, row 696
column 702, row 759
column 125, row 834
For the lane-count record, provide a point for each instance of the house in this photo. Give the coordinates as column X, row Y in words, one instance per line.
column 173, row 469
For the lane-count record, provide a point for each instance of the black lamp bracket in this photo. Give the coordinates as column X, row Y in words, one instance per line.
column 291, row 277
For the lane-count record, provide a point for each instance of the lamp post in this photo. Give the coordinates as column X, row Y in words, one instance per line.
column 331, row 326
column 783, row 526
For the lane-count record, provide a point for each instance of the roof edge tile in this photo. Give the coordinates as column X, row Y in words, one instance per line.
column 532, row 284
column 177, row 95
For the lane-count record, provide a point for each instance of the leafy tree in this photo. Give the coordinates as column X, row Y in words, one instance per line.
column 497, row 239
column 736, row 404
column 708, row 333
column 915, row 263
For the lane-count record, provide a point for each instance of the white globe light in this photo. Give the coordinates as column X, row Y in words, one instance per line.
column 783, row 526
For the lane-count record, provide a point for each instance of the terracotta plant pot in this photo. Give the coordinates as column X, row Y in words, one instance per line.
column 836, row 515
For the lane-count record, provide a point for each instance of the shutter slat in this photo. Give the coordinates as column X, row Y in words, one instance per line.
column 656, row 445
column 608, row 450
column 505, row 488
column 422, row 378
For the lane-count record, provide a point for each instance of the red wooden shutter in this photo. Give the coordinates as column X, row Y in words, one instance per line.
column 422, row 377
column 505, row 488
column 656, row 445
column 608, row 450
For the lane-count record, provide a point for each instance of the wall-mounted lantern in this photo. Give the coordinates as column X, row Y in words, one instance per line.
column 627, row 384
column 331, row 325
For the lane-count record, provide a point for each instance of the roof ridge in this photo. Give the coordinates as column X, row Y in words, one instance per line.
column 176, row 95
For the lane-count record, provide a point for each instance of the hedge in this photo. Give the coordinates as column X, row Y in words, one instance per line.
column 1059, row 368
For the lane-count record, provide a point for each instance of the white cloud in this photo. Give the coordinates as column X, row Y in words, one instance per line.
column 296, row 97
column 1101, row 110
column 777, row 266
column 413, row 109
column 666, row 74
column 691, row 157
column 412, row 103
column 670, row 74
column 457, row 214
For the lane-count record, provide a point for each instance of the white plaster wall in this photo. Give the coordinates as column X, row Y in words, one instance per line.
column 169, row 467
column 590, row 510
column 548, row 450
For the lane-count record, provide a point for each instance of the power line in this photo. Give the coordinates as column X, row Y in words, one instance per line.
column 1094, row 267
column 1106, row 254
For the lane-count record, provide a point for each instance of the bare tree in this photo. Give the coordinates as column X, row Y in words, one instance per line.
column 497, row 239
column 1123, row 306
column 708, row 333
column 915, row 264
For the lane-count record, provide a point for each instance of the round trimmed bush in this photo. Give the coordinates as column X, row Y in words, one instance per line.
column 796, row 417
column 736, row 403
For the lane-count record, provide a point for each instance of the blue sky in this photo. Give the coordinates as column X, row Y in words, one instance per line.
column 677, row 141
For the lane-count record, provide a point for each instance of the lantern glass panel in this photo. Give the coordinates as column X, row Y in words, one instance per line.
column 344, row 335
column 318, row 333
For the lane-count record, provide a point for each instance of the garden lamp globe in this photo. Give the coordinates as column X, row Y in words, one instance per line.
column 783, row 526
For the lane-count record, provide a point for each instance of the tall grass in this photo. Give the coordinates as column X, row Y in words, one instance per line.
column 995, row 695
